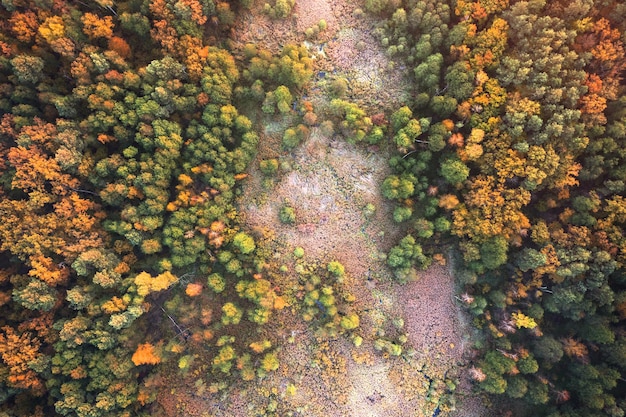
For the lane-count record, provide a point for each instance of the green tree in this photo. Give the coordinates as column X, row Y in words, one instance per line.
column 454, row 171
column 493, row 253
column 398, row 187
column 548, row 349
column 244, row 243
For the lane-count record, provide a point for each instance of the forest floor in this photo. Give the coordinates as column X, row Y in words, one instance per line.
column 329, row 183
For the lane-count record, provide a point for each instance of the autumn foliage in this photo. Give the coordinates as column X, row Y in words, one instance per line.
column 127, row 129
column 145, row 355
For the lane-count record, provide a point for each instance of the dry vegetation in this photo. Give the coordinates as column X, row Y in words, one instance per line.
column 329, row 182
column 346, row 48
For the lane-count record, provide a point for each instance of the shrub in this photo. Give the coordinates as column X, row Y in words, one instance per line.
column 339, row 87
column 294, row 136
column 375, row 6
column 283, row 98
column 376, row 135
column 244, row 243
column 369, row 210
column 310, row 32
column 280, row 10
column 309, row 118
column 350, row 322
column 387, row 346
column 355, row 124
column 269, row 362
column 283, row 8
column 327, row 127
column 268, row 166
column 287, row 215
column 216, row 282
column 231, row 314
column 290, row 139
column 336, row 269
column 401, row 214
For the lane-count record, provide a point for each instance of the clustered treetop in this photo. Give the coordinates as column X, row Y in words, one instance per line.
column 522, row 154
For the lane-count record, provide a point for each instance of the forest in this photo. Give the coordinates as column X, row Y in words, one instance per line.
column 129, row 128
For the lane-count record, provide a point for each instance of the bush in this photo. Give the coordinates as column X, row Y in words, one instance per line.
column 283, row 98
column 375, row 6
column 231, row 314
column 350, row 322
column 369, row 210
column 287, row 215
column 268, row 166
column 280, row 10
column 401, row 214
column 294, row 136
column 327, row 127
column 338, row 87
column 355, row 124
column 336, row 269
column 376, row 135
column 244, row 243
column 290, row 139
column 216, row 282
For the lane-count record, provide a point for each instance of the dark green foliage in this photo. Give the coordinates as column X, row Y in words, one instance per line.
column 459, row 80
column 493, row 253
column 527, row 365
column 406, row 255
column 494, row 366
column 529, row 259
column 124, row 151
column 548, row 348
column 517, row 387
column 140, row 147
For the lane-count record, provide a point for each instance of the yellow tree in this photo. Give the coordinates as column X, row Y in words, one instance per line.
column 20, row 353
